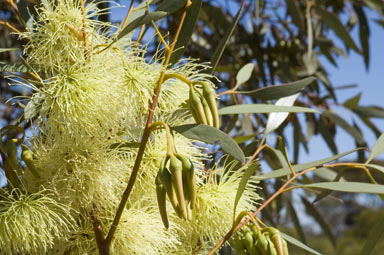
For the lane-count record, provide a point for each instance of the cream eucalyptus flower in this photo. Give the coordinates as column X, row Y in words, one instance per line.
column 31, row 222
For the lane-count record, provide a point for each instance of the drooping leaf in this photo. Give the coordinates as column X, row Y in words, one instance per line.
column 243, row 183
column 377, row 167
column 274, row 158
column 170, row 6
column 325, row 193
column 223, row 42
column 352, row 102
column 243, row 139
column 326, row 134
column 327, row 174
column 208, row 134
column 165, row 8
column 279, row 91
column 295, row 219
column 373, row 237
column 377, row 149
column 299, row 244
column 370, row 111
column 363, row 33
column 22, row 7
column 276, row 119
column 186, row 31
column 344, row 125
column 335, row 24
column 353, row 187
column 244, row 73
column 262, row 108
column 299, row 167
column 297, row 17
column 311, row 210
column 138, row 11
column 281, row 147
column 145, row 19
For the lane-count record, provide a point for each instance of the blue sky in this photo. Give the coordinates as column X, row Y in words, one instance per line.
column 351, row 70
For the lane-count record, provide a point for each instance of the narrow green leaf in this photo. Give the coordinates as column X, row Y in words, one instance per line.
column 279, row 91
column 353, row 187
column 165, row 8
column 327, row 174
column 223, row 42
column 138, row 11
column 311, row 210
column 8, row 49
column 335, row 24
column 353, row 101
column 363, row 33
column 243, row 183
column 344, row 125
column 299, row 244
column 244, row 73
column 326, row 134
column 186, row 31
column 297, row 17
column 281, row 147
column 25, row 12
column 262, row 108
column 369, row 111
column 145, row 19
column 170, row 6
column 208, row 134
column 377, row 149
column 325, row 193
column 243, row 139
column 296, row 222
column 297, row 168
column 377, row 167
column 274, row 158
column 373, row 237
column 276, row 119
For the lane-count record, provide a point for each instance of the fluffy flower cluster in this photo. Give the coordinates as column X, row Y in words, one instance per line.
column 90, row 109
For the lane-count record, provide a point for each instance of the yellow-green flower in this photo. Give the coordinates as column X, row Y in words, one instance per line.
column 31, row 222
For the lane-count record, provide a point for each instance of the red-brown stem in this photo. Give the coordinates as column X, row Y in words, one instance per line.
column 98, row 229
column 254, row 214
column 107, row 241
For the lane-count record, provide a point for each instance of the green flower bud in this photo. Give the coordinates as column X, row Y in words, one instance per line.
column 238, row 245
column 161, row 200
column 176, row 169
column 209, row 94
column 248, row 241
column 166, row 179
column 196, row 107
column 207, row 111
column 27, row 157
column 190, row 179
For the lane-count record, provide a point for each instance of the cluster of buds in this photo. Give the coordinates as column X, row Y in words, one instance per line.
column 202, row 105
column 175, row 179
column 12, row 167
column 265, row 241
